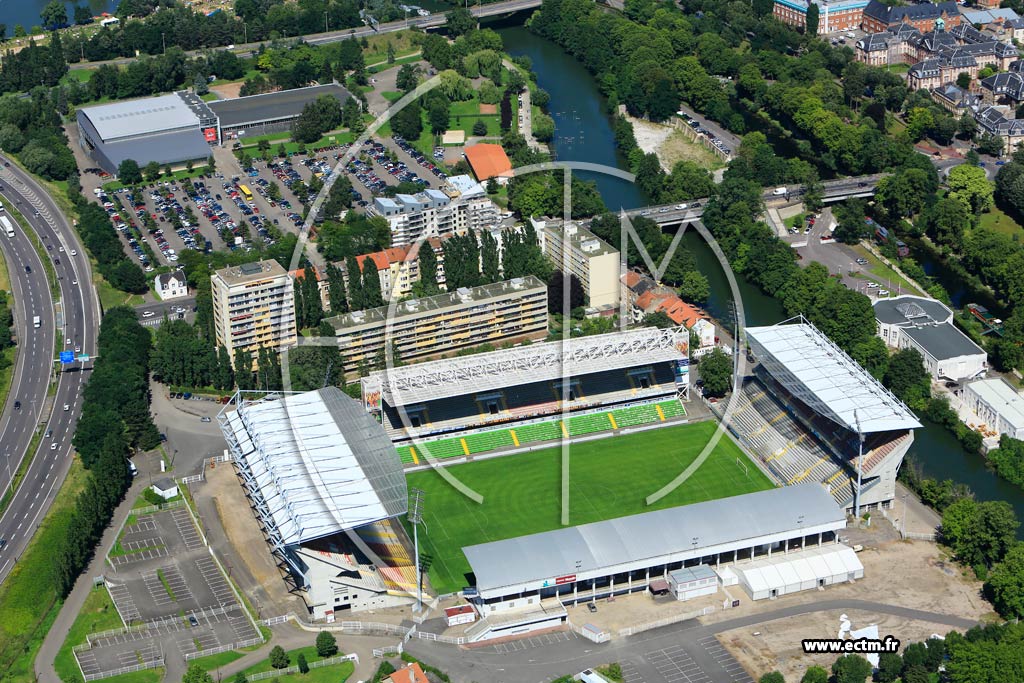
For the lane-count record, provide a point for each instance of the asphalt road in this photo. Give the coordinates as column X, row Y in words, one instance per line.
column 80, row 320
column 161, row 308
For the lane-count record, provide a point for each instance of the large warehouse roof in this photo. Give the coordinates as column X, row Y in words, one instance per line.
column 738, row 521
column 273, row 106
column 141, row 117
column 820, row 374
column 165, row 148
column 526, row 364
column 943, row 341
column 316, row 463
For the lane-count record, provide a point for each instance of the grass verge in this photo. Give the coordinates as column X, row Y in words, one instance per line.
column 335, row 673
column 886, row 276
column 28, row 598
column 214, row 662
column 601, row 488
column 999, row 221
column 98, row 614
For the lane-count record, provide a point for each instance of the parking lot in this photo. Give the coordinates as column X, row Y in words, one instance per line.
column 164, row 582
column 235, row 207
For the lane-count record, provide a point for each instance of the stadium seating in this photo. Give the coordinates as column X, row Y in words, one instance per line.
column 539, row 431
column 442, row 448
column 635, row 415
column 588, row 424
column 672, row 409
column 488, row 441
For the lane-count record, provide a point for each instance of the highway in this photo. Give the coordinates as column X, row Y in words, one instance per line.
column 78, row 322
column 433, row 21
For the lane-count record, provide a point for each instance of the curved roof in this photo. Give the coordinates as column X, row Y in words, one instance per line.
column 900, row 310
column 831, row 383
column 319, row 462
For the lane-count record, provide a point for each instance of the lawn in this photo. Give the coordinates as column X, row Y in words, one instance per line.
column 28, row 598
column 1000, row 221
column 98, row 614
column 601, row 488
column 214, row 662
column 110, row 297
column 884, row 275
column 335, row 673
column 383, row 66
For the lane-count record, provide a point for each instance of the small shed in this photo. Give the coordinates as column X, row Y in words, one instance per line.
column 463, row 614
column 692, row 582
column 658, row 587
column 165, row 487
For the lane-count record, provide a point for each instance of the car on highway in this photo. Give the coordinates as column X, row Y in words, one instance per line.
column 148, row 314
column 17, row 405
column 28, row 269
column 680, row 207
column 67, row 407
column 54, row 445
column 3, row 543
column 204, row 418
column 74, row 253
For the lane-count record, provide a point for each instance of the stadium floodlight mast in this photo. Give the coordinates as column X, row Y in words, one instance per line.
column 860, row 462
column 415, row 519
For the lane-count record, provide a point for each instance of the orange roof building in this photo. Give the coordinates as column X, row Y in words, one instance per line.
column 489, row 161
column 410, row 674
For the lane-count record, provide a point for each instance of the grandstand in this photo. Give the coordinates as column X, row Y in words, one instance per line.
column 540, row 392
column 324, row 484
column 805, row 408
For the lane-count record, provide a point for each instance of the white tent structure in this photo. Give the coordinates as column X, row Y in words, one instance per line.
column 799, row 571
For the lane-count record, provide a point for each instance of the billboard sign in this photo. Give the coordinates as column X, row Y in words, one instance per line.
column 67, row 356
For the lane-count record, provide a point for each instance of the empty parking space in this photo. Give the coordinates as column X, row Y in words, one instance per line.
column 676, row 666
column 124, row 602
column 535, row 641
column 142, row 543
column 120, row 561
column 630, row 674
column 196, row 640
column 187, row 530
column 215, row 581
column 725, row 660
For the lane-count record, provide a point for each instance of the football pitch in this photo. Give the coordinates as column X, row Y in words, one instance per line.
column 608, row 478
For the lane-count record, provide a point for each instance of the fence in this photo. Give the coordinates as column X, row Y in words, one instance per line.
column 312, row 665
column 277, row 620
column 112, row 632
column 192, row 479
column 918, row 536
column 423, row 635
column 223, row 648
column 150, row 509
column 633, row 630
column 124, row 670
column 396, row 651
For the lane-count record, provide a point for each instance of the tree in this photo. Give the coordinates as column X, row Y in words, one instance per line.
column 336, row 290
column 815, row 674
column 971, row 187
column 326, row 645
column 55, row 14
column 479, row 128
column 490, row 264
column 303, row 665
column 979, row 533
column 408, row 77
column 916, row 674
column 82, row 15
column 773, row 677
column 240, row 678
column 128, row 172
column 812, row 19
column 716, row 372
column 356, row 300
column 1005, row 584
column 372, row 294
column 851, row 669
column 967, row 126
column 890, row 665
column 196, row 674
column 695, row 287
column 152, row 171
column 408, row 121
column 906, row 376
column 991, row 145
column 658, row 319
column 963, row 81
column 556, row 292
column 459, row 22
column 278, row 657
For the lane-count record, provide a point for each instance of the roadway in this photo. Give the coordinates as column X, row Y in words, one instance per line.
column 433, row 21
column 78, row 322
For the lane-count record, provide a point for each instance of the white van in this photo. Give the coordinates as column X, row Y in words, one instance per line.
column 779, row 191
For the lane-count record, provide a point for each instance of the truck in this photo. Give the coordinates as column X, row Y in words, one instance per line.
column 7, row 225
column 37, row 321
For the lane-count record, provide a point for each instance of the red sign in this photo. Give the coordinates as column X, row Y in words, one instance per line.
column 565, row 579
column 210, row 134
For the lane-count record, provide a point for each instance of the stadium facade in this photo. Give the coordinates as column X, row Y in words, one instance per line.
column 325, row 485
column 809, row 412
column 180, row 127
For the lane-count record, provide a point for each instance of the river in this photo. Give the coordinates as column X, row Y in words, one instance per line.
column 26, row 12
column 583, row 132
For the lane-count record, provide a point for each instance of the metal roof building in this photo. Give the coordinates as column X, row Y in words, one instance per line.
column 820, row 374
column 314, row 464
column 268, row 112
column 927, row 326
column 652, row 539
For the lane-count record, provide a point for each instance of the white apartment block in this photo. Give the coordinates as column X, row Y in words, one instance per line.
column 253, row 306
column 574, row 249
column 433, row 213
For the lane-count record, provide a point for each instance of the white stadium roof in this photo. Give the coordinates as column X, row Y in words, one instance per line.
column 820, row 374
column 315, row 463
column 525, row 364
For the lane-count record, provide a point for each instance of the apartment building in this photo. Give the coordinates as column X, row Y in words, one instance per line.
column 879, row 16
column 574, row 249
column 397, row 269
column 253, row 306
column 504, row 312
column 833, row 15
column 433, row 213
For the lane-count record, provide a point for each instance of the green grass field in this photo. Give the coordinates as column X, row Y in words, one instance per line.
column 609, row 478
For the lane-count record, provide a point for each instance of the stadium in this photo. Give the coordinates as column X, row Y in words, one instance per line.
column 180, row 127
column 764, row 511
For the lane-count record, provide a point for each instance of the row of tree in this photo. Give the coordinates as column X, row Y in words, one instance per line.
column 7, row 339
column 115, row 421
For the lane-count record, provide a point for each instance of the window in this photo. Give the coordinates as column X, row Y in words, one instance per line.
column 645, row 382
column 492, row 407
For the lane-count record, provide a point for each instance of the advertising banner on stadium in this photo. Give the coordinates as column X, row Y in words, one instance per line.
column 371, row 393
column 210, row 134
column 565, row 579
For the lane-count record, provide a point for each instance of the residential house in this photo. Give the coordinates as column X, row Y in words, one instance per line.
column 171, row 285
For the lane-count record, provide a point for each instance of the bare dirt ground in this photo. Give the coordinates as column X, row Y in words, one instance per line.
column 914, row 574
column 227, row 91
column 671, row 145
